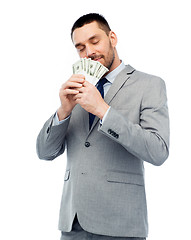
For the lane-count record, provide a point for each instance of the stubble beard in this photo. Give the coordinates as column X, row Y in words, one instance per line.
column 111, row 57
column 108, row 61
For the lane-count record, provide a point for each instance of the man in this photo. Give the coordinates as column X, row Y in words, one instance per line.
column 104, row 189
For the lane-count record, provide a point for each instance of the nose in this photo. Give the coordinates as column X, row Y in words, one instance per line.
column 90, row 51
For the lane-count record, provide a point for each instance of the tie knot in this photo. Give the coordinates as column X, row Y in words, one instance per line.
column 101, row 82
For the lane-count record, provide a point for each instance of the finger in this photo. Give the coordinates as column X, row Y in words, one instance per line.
column 86, row 84
column 73, row 85
column 74, row 81
column 77, row 78
column 77, row 96
column 69, row 92
column 81, row 89
column 70, row 84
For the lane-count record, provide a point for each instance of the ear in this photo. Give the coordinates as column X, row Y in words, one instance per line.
column 113, row 38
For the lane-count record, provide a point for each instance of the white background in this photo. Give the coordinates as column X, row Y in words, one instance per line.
column 36, row 55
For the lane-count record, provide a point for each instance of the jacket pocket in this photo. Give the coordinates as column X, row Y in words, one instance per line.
column 125, row 178
column 67, row 175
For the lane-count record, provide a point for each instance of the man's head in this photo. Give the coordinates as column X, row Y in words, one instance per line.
column 89, row 18
column 94, row 39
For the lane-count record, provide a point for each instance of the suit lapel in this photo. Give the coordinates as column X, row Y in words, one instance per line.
column 118, row 83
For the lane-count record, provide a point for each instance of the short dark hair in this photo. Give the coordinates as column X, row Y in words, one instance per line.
column 89, row 18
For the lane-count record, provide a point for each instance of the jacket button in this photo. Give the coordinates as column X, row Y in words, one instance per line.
column 110, row 131
column 87, row 144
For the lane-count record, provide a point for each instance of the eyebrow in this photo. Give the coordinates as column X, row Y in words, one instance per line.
column 91, row 38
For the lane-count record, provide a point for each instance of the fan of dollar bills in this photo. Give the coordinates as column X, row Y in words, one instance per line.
column 92, row 70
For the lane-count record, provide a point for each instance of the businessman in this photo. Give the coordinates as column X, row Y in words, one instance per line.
column 109, row 131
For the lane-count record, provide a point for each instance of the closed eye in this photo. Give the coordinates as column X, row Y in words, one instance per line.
column 95, row 42
column 80, row 48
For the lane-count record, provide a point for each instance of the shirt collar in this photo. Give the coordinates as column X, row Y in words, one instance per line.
column 112, row 75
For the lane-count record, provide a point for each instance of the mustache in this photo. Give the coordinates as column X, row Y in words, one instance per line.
column 93, row 57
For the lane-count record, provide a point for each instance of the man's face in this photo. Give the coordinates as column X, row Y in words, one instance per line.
column 92, row 42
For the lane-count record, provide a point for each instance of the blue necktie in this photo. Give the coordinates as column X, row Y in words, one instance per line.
column 100, row 84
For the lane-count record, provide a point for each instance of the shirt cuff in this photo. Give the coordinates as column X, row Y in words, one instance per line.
column 56, row 121
column 104, row 117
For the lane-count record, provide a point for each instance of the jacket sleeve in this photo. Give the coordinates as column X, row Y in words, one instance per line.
column 148, row 140
column 51, row 139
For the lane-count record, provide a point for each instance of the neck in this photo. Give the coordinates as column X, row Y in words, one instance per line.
column 115, row 63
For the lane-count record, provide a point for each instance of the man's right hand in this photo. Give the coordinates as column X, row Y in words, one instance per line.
column 67, row 91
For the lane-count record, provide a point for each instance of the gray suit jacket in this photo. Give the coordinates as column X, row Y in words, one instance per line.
column 104, row 180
